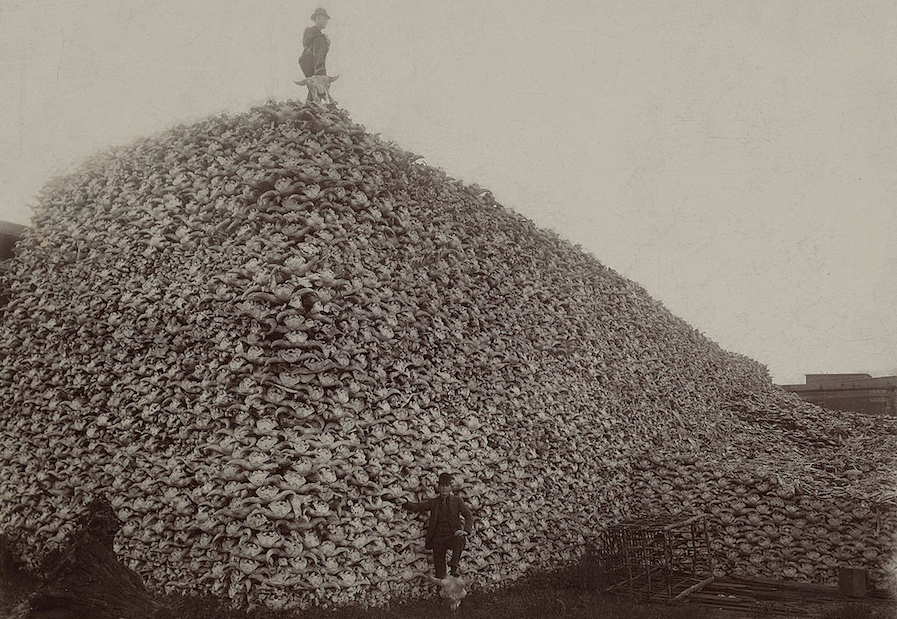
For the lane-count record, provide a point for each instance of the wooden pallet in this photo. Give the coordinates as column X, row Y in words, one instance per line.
column 775, row 597
column 652, row 558
column 656, row 586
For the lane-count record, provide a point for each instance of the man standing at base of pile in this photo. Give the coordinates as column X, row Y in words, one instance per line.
column 444, row 530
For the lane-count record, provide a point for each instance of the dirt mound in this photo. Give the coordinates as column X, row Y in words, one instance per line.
column 84, row 578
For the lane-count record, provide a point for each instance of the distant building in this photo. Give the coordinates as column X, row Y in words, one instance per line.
column 9, row 234
column 850, row 392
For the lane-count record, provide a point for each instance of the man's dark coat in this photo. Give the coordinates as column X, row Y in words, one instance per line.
column 456, row 509
column 315, row 46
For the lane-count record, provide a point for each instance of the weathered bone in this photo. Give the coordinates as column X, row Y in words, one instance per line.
column 318, row 87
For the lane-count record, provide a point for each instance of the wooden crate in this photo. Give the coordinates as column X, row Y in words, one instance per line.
column 649, row 558
column 852, row 581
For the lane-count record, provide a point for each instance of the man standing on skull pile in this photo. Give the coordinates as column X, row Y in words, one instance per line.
column 444, row 525
column 315, row 45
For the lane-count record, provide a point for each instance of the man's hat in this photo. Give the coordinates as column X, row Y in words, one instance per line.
column 445, row 479
column 319, row 11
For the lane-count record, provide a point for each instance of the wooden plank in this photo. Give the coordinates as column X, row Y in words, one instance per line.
column 617, row 585
column 695, row 587
column 781, row 598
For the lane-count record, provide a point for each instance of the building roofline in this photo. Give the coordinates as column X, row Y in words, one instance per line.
column 12, row 229
column 879, row 382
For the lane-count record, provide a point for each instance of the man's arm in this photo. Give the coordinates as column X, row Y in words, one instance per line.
column 468, row 517
column 422, row 506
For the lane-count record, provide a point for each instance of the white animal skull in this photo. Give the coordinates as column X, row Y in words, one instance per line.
column 318, row 87
column 452, row 589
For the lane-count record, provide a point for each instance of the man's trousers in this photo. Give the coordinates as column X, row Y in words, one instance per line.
column 441, row 547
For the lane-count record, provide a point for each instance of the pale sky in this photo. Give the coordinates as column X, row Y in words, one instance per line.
column 738, row 159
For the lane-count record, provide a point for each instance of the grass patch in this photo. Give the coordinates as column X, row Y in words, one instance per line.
column 516, row 602
column 858, row 610
column 565, row 594
column 539, row 596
